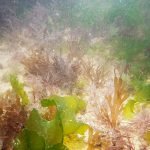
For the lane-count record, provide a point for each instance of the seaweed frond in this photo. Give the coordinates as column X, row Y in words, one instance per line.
column 96, row 140
column 12, row 119
column 111, row 112
column 96, row 74
column 52, row 70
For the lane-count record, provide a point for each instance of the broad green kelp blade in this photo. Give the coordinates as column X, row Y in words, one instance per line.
column 70, row 102
column 58, row 147
column 19, row 89
column 51, row 131
column 29, row 140
column 74, row 142
column 68, row 107
column 43, row 133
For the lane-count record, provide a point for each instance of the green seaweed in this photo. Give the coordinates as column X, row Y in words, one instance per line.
column 42, row 134
column 19, row 89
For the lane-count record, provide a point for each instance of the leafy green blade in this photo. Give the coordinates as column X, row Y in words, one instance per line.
column 68, row 107
column 58, row 147
column 19, row 89
column 73, row 142
column 29, row 140
column 129, row 109
column 51, row 131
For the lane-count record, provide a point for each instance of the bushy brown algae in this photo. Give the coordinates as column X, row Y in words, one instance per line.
column 12, row 119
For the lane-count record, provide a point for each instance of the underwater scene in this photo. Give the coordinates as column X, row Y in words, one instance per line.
column 74, row 74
